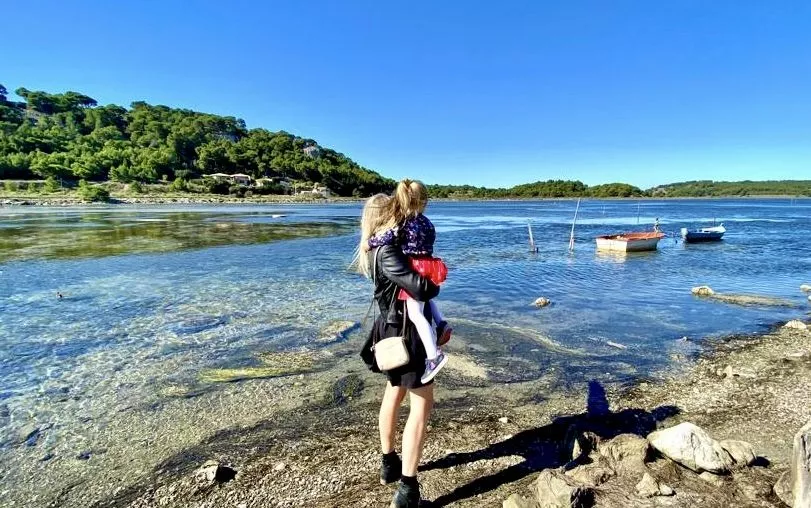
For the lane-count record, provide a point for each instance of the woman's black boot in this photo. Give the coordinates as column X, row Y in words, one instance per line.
column 391, row 468
column 407, row 495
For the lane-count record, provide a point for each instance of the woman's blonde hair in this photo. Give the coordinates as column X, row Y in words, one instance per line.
column 411, row 198
column 378, row 216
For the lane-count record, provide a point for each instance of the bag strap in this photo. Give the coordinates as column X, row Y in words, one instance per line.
column 370, row 310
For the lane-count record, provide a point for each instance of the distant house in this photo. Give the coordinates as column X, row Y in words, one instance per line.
column 318, row 190
column 312, row 151
column 238, row 178
column 241, row 179
column 284, row 183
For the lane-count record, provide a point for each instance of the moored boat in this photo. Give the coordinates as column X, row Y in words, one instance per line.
column 712, row 234
column 630, row 242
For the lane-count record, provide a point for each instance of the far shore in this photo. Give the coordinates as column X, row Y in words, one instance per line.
column 71, row 199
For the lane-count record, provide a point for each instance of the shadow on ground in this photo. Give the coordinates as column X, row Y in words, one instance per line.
column 548, row 446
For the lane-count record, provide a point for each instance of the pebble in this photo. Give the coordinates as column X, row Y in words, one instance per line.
column 280, row 466
column 504, row 419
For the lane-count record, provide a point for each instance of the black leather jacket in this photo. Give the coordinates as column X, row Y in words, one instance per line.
column 393, row 271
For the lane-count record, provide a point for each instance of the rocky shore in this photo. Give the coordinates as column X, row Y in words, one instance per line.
column 488, row 444
column 159, row 199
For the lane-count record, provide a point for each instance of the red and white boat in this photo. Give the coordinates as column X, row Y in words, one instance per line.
column 630, row 242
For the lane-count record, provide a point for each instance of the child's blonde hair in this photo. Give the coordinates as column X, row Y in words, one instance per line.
column 411, row 198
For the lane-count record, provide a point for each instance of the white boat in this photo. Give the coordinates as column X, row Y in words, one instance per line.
column 712, row 234
column 630, row 242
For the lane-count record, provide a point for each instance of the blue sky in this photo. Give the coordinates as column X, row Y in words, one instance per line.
column 488, row 93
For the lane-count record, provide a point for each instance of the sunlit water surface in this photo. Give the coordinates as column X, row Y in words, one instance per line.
column 198, row 287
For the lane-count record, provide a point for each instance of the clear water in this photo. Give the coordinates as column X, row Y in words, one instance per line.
column 169, row 291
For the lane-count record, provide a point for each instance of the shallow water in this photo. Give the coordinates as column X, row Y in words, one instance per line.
column 155, row 295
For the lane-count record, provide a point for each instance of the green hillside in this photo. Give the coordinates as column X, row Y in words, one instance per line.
column 69, row 136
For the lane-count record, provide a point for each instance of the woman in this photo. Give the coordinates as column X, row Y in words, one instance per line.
column 391, row 272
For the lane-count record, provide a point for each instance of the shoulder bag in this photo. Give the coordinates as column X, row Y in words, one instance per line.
column 390, row 353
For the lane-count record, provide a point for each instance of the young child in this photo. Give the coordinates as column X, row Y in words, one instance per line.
column 416, row 236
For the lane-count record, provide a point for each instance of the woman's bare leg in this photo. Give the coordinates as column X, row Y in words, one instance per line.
column 422, row 401
column 389, row 413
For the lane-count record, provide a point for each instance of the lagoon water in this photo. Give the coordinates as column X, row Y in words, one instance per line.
column 154, row 295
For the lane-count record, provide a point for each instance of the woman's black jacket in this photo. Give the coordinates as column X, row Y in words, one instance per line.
column 392, row 273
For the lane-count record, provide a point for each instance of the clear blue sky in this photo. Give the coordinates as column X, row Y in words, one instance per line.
column 488, row 93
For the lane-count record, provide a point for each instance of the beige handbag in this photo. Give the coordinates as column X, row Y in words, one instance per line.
column 390, row 352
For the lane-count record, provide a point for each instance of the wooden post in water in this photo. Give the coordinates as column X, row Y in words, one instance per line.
column 532, row 247
column 571, row 236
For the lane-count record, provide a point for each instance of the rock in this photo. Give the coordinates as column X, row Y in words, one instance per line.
column 542, row 302
column 594, row 474
column 336, row 331
column 280, row 466
column 728, row 372
column 782, row 489
column 84, row 455
column 742, row 453
column 616, row 344
column 650, row 487
column 712, row 479
column 29, row 435
column 556, row 490
column 582, row 444
column 806, row 288
column 518, row 501
column 692, row 447
column 626, row 452
column 801, row 468
column 702, row 291
column 213, row 472
column 504, row 419
column 796, row 324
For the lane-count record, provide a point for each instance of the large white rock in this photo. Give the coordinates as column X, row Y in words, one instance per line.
column 692, row 447
column 801, row 468
column 518, row 501
column 805, row 288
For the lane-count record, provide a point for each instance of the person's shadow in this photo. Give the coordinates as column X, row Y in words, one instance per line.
column 546, row 447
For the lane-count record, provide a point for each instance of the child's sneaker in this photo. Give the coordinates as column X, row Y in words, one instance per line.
column 432, row 367
column 443, row 333
column 390, row 468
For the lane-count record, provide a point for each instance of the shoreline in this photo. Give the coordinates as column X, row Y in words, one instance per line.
column 15, row 200
column 315, row 442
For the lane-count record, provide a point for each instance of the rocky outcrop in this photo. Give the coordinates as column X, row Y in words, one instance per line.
column 782, row 489
column 555, row 490
column 801, row 468
column 692, row 447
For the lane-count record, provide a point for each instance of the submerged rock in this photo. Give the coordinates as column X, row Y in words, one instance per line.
column 702, row 291
column 801, row 468
column 806, row 288
column 542, row 302
column 336, row 331
column 344, row 389
column 556, row 490
column 276, row 364
column 692, row 447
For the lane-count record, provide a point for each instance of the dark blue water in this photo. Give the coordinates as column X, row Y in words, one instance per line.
column 168, row 315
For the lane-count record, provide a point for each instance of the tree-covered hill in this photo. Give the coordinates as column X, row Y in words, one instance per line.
column 547, row 189
column 745, row 188
column 69, row 136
